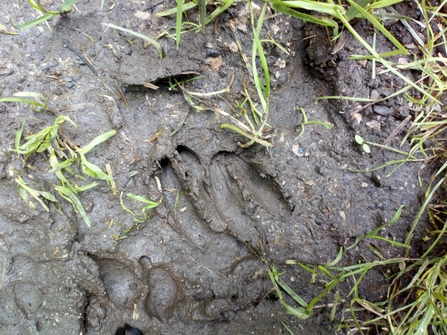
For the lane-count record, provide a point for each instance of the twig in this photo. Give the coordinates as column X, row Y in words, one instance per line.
column 82, row 58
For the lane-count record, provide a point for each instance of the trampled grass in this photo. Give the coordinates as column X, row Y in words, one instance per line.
column 50, row 140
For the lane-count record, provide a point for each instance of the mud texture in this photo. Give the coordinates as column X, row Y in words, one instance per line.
column 194, row 267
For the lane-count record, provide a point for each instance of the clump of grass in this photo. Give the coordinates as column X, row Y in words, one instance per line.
column 255, row 123
column 63, row 157
column 416, row 300
column 182, row 7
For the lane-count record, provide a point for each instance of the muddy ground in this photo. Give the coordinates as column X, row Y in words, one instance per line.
column 194, row 266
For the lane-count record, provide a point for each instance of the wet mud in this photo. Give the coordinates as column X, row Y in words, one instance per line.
column 195, row 265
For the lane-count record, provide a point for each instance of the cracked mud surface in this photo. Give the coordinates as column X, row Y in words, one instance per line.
column 194, row 265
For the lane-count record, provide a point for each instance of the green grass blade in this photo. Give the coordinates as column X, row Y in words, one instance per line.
column 71, row 197
column 285, row 327
column 134, row 216
column 172, row 11
column 379, row 4
column 93, row 170
column 320, row 7
column 424, row 205
column 34, row 193
column 389, row 223
column 353, row 11
column 32, row 23
column 202, row 14
column 19, row 136
column 371, row 18
column 334, row 306
column 40, row 8
column 149, row 203
column 54, row 162
column 337, row 259
column 257, row 44
column 31, row 94
column 380, row 59
column 97, row 140
column 326, row 290
column 31, row 102
column 178, row 22
column 219, row 10
column 290, row 292
column 305, row 17
column 67, row 6
column 298, row 312
column 47, row 195
column 144, row 37
column 84, row 188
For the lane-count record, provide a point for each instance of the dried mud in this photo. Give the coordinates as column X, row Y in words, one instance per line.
column 194, row 266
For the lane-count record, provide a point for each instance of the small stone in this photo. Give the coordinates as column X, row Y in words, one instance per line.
column 274, row 29
column 233, row 47
column 374, row 95
column 383, row 110
column 357, row 117
column 282, row 78
column 373, row 125
column 280, row 63
column 242, row 27
column 362, row 63
column 296, row 151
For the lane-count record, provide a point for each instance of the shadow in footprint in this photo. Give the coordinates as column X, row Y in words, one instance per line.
column 238, row 189
column 119, row 280
column 164, row 293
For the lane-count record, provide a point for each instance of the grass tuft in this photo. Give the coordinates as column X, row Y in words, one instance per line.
column 63, row 157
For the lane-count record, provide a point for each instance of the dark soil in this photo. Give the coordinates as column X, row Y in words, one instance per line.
column 192, row 267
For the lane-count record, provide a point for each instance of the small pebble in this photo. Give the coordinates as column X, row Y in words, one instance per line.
column 212, row 53
column 233, row 47
column 383, row 110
